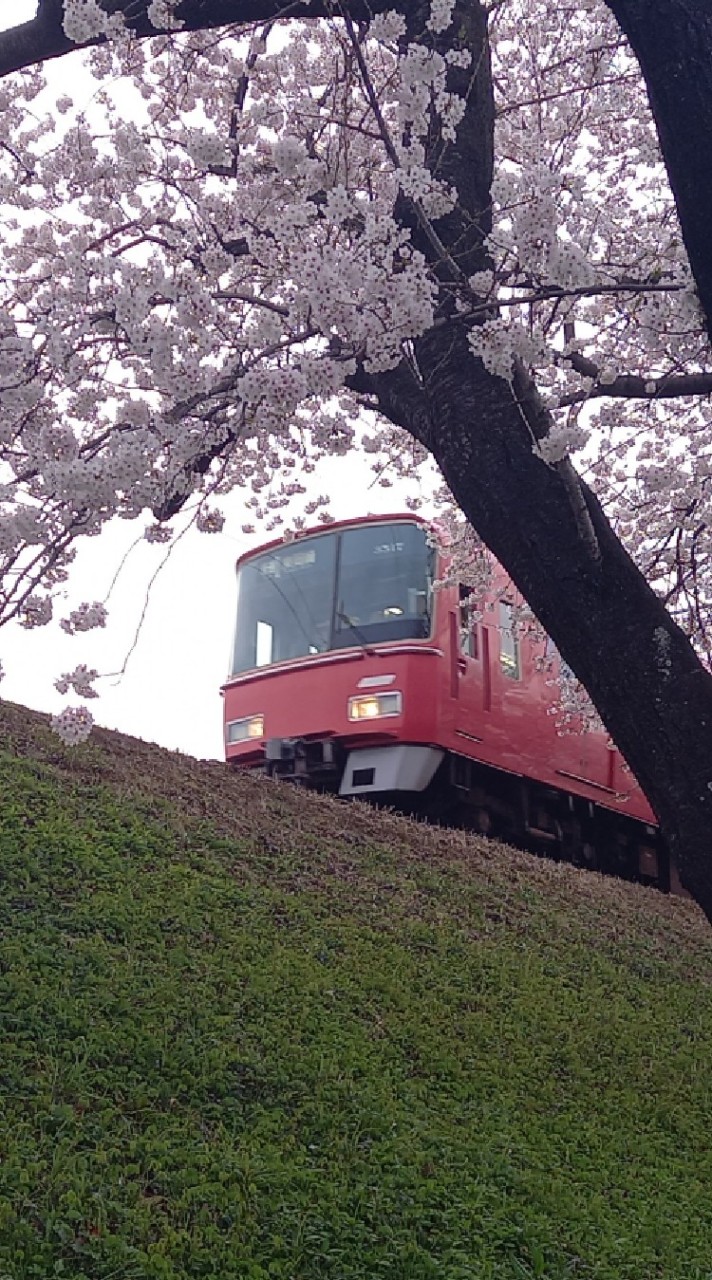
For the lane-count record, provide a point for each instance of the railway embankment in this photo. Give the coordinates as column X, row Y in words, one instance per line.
column 251, row 1032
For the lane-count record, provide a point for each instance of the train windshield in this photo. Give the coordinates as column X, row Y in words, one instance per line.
column 358, row 586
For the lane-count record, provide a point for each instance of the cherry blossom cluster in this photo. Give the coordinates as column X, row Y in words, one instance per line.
column 467, row 560
column 158, row 533
column 85, row 618
column 210, row 521
column 81, row 680
column 73, row 725
column 501, row 341
column 440, row 15
column 561, row 441
column 85, row 20
column 573, row 711
column 162, row 13
column 36, row 611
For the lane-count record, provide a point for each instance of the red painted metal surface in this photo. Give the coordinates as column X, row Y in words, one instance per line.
column 467, row 705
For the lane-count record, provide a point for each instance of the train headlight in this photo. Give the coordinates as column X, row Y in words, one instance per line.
column 375, row 705
column 243, row 730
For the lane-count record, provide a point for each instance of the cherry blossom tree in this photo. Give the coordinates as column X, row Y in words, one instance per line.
column 436, row 230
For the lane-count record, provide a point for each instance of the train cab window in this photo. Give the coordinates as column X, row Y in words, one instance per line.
column 360, row 586
column 509, row 657
column 284, row 603
column 469, row 630
column 383, row 585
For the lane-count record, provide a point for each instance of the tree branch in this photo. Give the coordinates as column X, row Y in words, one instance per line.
column 635, row 386
column 43, row 37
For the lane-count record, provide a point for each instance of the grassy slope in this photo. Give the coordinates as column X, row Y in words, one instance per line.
column 252, row 1033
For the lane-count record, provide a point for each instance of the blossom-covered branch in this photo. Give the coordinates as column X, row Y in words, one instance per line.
column 632, row 386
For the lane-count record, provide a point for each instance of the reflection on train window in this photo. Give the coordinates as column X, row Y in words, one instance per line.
column 284, row 603
column 333, row 591
column 263, row 653
column 508, row 642
column 468, row 627
column 383, row 591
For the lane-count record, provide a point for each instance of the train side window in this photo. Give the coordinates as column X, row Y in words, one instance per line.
column 509, row 658
column 468, row 627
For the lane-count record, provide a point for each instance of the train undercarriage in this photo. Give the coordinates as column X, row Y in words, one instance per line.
column 466, row 794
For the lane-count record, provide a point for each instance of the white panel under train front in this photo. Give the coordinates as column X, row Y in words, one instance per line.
column 398, row 768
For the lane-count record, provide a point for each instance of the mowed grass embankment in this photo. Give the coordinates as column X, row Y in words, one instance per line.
column 251, row 1033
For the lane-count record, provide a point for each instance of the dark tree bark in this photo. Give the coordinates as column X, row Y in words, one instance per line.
column 540, row 521
column 43, row 37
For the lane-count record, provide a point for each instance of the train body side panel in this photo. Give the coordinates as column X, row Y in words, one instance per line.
column 506, row 717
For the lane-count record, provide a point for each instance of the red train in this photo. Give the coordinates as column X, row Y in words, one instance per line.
column 352, row 674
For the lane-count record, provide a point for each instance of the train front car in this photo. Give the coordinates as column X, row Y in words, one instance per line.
column 335, row 670
column 350, row 673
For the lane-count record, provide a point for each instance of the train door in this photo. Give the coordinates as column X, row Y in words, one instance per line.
column 471, row 673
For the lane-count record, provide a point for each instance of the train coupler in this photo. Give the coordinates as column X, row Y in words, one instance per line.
column 311, row 763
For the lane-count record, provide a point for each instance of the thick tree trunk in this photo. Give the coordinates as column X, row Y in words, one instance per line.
column 550, row 533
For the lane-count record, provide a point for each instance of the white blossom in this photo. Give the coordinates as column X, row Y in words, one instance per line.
column 73, row 725
column 85, row 618
column 36, row 612
column 83, row 20
column 561, row 441
column 388, row 26
column 158, row 533
column 481, row 282
column 81, row 680
column 210, row 521
column 162, row 14
column 207, row 150
column 440, row 15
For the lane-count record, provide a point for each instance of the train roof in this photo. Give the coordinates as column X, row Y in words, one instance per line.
column 313, row 530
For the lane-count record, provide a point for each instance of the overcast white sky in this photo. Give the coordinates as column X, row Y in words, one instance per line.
column 170, row 690
column 13, row 12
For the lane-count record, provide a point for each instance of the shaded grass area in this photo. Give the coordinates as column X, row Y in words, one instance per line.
column 247, row 1032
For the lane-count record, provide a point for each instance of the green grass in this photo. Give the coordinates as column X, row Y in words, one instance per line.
column 249, row 1033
